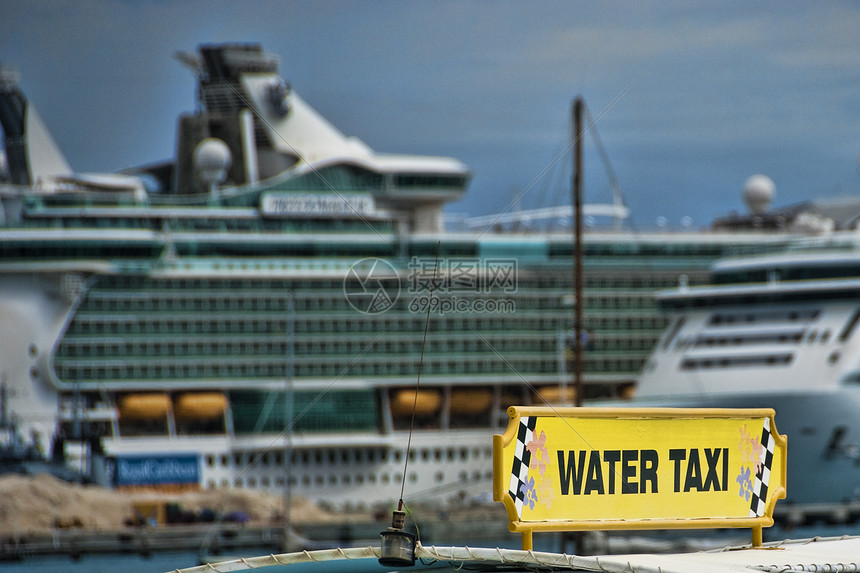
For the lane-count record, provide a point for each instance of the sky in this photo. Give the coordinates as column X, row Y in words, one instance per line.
column 689, row 99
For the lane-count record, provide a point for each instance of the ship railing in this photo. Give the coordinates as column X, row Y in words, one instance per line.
column 849, row 241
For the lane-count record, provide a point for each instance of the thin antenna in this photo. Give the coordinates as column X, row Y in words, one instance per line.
column 397, row 548
column 418, row 380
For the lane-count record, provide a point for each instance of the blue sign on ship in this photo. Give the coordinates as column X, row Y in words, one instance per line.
column 157, row 470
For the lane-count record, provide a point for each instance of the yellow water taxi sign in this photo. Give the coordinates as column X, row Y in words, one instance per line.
column 627, row 468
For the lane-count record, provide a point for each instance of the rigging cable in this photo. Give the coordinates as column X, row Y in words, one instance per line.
column 617, row 194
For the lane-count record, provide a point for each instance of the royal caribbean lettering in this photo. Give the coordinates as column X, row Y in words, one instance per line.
column 307, row 204
column 157, row 470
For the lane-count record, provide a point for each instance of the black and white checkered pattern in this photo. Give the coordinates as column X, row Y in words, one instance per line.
column 522, row 459
column 762, row 477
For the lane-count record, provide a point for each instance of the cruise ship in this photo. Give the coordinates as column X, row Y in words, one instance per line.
column 777, row 331
column 279, row 305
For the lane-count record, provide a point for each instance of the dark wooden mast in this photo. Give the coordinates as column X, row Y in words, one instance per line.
column 576, row 189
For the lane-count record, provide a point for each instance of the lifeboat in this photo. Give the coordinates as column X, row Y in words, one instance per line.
column 149, row 406
column 199, row 405
column 556, row 395
column 628, row 392
column 426, row 403
column 470, row 401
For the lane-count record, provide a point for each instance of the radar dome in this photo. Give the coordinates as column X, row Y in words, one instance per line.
column 759, row 191
column 211, row 160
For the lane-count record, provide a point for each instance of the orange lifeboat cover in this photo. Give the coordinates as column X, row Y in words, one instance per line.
column 200, row 405
column 426, row 403
column 149, row 406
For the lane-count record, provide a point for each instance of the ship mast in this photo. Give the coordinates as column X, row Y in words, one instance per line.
column 576, row 190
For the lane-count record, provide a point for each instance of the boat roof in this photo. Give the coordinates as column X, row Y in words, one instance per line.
column 741, row 293
column 816, row 554
column 798, row 259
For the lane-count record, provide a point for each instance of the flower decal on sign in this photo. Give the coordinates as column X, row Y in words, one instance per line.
column 540, row 462
column 745, row 483
column 750, row 449
column 528, row 488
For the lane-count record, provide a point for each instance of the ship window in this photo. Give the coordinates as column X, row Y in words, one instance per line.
column 836, row 444
column 741, row 361
column 850, row 326
column 674, row 332
column 853, row 378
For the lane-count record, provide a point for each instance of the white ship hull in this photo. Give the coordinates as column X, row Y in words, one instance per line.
column 358, row 472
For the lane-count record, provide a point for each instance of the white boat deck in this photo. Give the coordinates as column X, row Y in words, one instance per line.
column 817, row 554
